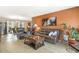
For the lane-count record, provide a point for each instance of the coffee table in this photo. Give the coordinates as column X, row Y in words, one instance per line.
column 34, row 41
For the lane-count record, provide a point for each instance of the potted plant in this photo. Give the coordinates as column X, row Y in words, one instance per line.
column 65, row 32
column 64, row 26
column 73, row 36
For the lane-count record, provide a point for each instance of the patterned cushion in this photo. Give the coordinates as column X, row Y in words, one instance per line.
column 53, row 33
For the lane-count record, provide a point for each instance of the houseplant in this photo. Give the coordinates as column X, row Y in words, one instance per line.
column 65, row 32
column 74, row 33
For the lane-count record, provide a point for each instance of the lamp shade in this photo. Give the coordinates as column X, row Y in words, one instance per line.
column 35, row 25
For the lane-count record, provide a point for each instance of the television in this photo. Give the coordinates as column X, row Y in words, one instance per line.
column 49, row 21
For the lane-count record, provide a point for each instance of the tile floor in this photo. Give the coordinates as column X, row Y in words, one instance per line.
column 9, row 44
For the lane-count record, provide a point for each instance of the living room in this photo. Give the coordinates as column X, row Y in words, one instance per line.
column 64, row 21
column 56, row 30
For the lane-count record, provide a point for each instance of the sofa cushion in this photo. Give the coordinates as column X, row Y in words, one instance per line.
column 53, row 33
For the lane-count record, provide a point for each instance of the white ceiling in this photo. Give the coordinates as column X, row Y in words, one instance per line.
column 27, row 12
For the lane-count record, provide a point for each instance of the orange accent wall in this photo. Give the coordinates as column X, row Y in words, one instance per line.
column 68, row 16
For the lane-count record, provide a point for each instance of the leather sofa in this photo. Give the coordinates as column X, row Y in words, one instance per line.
column 51, row 39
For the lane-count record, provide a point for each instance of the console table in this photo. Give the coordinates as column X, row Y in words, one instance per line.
column 76, row 47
